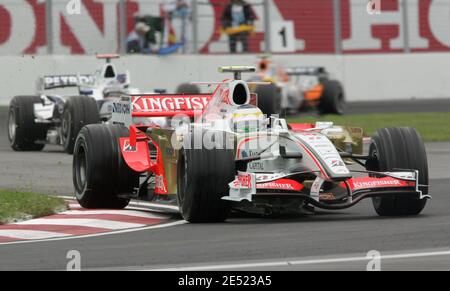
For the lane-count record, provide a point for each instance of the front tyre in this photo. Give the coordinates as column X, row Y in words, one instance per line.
column 393, row 149
column 100, row 173
column 24, row 133
column 203, row 178
column 78, row 112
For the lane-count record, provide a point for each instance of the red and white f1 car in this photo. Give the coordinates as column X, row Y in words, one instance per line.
column 217, row 152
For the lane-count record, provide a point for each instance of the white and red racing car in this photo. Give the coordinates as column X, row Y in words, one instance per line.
column 218, row 152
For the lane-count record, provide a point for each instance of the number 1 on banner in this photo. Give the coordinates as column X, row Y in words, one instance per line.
column 283, row 37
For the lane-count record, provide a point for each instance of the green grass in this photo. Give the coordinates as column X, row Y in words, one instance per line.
column 432, row 126
column 16, row 206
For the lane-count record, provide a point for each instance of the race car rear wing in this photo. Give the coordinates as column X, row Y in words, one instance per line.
column 301, row 71
column 164, row 105
column 63, row 81
column 107, row 57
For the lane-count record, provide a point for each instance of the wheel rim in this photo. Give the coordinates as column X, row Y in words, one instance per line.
column 12, row 126
column 65, row 126
column 80, row 171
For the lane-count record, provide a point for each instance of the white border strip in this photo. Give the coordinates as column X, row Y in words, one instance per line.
column 137, row 203
column 163, row 225
column 302, row 262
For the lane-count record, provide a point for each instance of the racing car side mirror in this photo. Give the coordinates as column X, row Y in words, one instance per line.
column 285, row 155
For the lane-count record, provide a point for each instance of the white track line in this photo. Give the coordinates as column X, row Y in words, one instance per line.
column 287, row 263
column 99, row 223
column 134, row 213
column 30, row 234
column 155, row 205
column 164, row 225
column 135, row 203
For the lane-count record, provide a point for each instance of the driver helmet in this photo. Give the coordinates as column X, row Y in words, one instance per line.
column 248, row 118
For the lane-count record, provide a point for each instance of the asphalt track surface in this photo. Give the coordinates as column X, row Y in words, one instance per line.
column 325, row 241
column 393, row 106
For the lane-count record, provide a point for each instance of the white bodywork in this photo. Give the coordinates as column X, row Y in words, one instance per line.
column 105, row 86
column 319, row 155
column 310, row 150
column 104, row 83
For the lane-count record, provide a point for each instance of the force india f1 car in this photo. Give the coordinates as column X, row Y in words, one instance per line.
column 232, row 157
column 53, row 119
column 297, row 88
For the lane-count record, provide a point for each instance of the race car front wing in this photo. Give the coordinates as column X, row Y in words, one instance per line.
column 330, row 195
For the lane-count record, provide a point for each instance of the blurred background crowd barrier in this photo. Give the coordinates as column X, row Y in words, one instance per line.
column 219, row 27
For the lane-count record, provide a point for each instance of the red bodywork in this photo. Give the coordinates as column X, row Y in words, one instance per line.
column 298, row 127
column 135, row 148
column 362, row 183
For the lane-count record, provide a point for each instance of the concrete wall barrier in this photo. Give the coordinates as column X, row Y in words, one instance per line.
column 366, row 77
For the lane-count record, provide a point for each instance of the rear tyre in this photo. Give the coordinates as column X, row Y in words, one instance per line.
column 187, row 88
column 269, row 99
column 23, row 132
column 78, row 112
column 398, row 148
column 333, row 98
column 100, row 173
column 203, row 178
